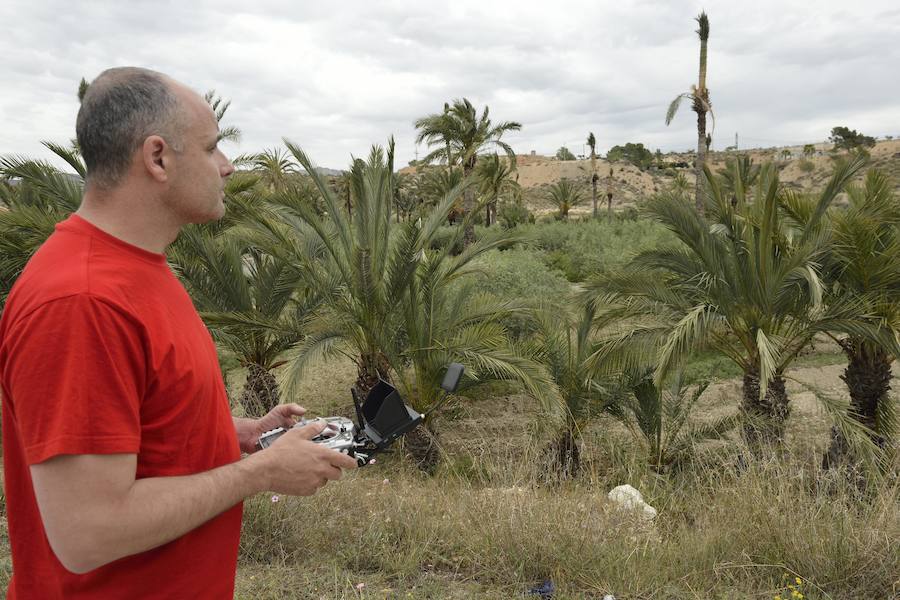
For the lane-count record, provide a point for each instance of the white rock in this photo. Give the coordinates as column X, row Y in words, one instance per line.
column 629, row 498
column 609, row 597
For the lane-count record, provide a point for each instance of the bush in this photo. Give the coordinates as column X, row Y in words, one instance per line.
column 806, row 166
column 520, row 273
column 512, row 214
column 581, row 249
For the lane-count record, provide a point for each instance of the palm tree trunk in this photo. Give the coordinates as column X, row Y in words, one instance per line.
column 868, row 378
column 701, row 102
column 565, row 455
column 701, row 157
column 594, row 192
column 370, row 368
column 423, row 448
column 468, row 206
column 764, row 418
column 260, row 393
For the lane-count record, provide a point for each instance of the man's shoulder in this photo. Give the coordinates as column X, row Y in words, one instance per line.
column 64, row 275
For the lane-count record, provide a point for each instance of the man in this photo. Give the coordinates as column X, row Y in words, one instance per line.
column 122, row 463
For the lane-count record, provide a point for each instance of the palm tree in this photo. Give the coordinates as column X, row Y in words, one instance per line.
column 495, row 178
column 739, row 173
column 274, row 168
column 432, row 185
column 609, row 193
column 563, row 342
column 365, row 271
column 445, row 320
column 745, row 287
column 461, row 134
column 700, row 104
column 565, row 195
column 387, row 302
column 253, row 301
column 37, row 196
column 865, row 262
column 592, row 144
column 660, row 418
column 219, row 106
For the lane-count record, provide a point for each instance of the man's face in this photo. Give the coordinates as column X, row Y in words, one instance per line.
column 196, row 192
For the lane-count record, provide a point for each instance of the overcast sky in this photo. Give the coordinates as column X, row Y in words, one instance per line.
column 337, row 77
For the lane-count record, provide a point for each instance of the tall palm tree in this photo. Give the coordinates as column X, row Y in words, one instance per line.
column 609, row 193
column 220, row 107
column 592, row 144
column 495, row 178
column 745, row 287
column 565, row 195
column 432, row 185
column 700, row 104
column 274, row 168
column 460, row 134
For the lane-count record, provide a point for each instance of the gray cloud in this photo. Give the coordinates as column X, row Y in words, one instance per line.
column 336, row 78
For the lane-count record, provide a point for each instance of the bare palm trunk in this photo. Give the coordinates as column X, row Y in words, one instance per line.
column 701, row 103
column 594, row 192
column 701, row 159
column 868, row 378
column 764, row 418
column 468, row 206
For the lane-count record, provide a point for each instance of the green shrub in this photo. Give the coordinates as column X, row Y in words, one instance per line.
column 521, row 273
column 806, row 166
column 511, row 214
column 581, row 249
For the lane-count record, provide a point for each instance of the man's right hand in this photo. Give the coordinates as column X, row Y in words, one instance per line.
column 296, row 466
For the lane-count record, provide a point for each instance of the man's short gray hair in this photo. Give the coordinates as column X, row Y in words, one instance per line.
column 121, row 108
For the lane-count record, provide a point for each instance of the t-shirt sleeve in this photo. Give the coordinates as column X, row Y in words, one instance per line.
column 76, row 375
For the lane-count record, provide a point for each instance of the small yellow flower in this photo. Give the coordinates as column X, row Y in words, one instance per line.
column 778, row 597
column 798, row 580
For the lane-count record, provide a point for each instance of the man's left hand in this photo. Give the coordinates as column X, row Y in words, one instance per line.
column 249, row 430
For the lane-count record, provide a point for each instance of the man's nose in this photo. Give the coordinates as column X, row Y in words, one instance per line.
column 228, row 169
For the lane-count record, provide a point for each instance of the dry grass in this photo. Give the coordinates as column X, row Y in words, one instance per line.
column 720, row 534
column 489, row 525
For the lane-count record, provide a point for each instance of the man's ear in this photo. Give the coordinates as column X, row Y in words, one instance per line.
column 157, row 158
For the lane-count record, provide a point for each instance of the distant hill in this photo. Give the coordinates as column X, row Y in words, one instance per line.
column 630, row 184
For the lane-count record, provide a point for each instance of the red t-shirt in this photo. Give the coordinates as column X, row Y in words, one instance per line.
column 102, row 352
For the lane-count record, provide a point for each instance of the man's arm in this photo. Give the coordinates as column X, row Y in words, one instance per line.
column 95, row 512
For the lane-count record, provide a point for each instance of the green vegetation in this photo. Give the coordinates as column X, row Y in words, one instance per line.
column 661, row 347
column 845, row 138
column 459, row 135
column 632, row 153
column 564, row 194
column 564, row 154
